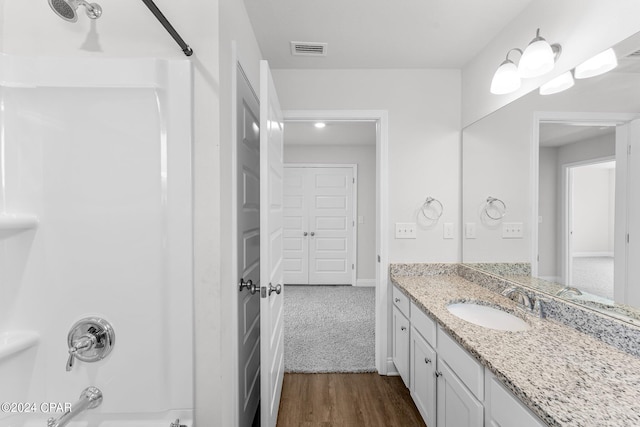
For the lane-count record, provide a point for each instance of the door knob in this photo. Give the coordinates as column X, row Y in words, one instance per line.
column 253, row 288
column 277, row 289
column 305, row 234
column 313, row 234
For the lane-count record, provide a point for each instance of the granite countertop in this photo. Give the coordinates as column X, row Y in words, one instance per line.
column 566, row 377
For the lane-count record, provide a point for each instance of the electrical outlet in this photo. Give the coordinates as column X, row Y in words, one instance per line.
column 405, row 230
column 447, row 230
column 470, row 230
column 512, row 230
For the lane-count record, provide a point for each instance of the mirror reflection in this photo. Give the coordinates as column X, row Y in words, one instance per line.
column 560, row 165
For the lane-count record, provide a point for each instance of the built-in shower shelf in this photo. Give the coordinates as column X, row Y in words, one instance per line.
column 17, row 341
column 18, row 222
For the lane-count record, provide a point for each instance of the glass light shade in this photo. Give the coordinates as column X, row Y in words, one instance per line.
column 562, row 82
column 537, row 59
column 599, row 64
column 506, row 79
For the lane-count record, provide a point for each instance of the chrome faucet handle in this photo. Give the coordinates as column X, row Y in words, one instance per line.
column 90, row 339
column 85, row 343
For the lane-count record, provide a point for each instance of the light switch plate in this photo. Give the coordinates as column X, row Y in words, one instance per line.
column 470, row 230
column 447, row 230
column 405, row 230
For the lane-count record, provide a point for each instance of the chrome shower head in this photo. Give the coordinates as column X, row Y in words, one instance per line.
column 66, row 9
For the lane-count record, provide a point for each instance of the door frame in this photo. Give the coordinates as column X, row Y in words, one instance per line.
column 354, row 205
column 567, row 213
column 384, row 362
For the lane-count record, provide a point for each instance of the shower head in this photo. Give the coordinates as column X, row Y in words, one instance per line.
column 66, row 9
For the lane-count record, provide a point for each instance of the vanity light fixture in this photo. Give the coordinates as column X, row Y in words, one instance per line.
column 506, row 79
column 320, row 125
column 538, row 58
column 563, row 82
column 599, row 64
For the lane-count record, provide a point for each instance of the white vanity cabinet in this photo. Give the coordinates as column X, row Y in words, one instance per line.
column 401, row 331
column 503, row 409
column 423, row 364
column 449, row 386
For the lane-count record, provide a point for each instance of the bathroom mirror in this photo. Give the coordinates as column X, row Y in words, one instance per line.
column 548, row 190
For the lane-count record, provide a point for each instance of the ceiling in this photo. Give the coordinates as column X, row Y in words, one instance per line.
column 379, row 33
column 559, row 134
column 335, row 133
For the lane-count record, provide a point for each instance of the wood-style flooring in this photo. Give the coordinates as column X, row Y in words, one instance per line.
column 346, row 400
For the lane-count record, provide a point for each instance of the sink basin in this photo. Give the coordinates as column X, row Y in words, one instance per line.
column 488, row 317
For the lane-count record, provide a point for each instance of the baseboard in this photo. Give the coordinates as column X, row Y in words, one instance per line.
column 391, row 368
column 366, row 283
column 592, row 254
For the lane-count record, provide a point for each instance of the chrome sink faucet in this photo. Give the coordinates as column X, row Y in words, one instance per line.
column 523, row 298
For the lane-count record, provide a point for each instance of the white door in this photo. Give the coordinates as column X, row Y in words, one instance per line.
column 331, row 227
column 319, row 225
column 248, row 241
column 423, row 380
column 296, row 227
column 271, row 250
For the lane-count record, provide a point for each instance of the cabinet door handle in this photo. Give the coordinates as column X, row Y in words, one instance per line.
column 437, row 374
column 403, row 328
column 397, row 300
column 426, row 360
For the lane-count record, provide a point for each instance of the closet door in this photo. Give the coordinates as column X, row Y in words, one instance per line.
column 296, row 229
column 331, row 225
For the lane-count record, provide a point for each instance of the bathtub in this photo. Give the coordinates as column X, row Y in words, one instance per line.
column 96, row 220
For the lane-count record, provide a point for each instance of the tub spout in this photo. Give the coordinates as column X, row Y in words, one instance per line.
column 90, row 398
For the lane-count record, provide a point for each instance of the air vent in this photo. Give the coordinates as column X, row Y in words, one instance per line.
column 308, row 49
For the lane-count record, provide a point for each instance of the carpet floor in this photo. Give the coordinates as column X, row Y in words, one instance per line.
column 594, row 275
column 329, row 329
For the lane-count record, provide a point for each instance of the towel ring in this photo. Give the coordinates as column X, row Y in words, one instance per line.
column 434, row 206
column 493, row 205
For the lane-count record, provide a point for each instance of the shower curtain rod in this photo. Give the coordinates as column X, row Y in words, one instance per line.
column 167, row 25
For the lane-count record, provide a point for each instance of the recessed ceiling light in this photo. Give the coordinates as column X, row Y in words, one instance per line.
column 320, row 125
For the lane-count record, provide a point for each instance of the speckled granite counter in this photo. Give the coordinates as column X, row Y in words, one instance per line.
column 566, row 377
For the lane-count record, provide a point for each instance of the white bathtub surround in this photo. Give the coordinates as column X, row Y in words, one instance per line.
column 95, row 220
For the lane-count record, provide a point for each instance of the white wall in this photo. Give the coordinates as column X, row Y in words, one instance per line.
column 424, row 140
column 548, row 207
column 583, row 28
column 365, row 158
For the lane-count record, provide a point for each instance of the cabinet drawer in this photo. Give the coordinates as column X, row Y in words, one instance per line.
column 401, row 301
column 423, row 324
column 468, row 369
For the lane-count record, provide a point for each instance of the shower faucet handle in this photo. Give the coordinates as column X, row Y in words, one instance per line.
column 85, row 343
column 90, row 339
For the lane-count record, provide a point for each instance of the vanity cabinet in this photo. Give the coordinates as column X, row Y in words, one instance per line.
column 401, row 344
column 503, row 409
column 449, row 386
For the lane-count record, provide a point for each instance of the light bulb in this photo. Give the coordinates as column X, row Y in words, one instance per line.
column 506, row 79
column 599, row 64
column 563, row 82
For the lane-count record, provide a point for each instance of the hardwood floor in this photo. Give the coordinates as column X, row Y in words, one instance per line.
column 346, row 400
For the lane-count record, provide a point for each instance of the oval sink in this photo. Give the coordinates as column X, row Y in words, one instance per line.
column 488, row 317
